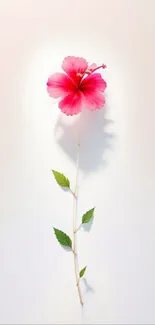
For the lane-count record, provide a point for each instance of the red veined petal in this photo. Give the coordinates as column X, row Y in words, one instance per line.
column 71, row 104
column 59, row 85
column 93, row 81
column 74, row 67
column 93, row 99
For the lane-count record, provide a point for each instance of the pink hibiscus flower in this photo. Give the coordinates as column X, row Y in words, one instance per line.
column 80, row 86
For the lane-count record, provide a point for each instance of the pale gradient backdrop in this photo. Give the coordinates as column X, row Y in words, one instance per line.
column 117, row 172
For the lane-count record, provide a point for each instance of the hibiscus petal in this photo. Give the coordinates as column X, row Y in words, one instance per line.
column 75, row 67
column 93, row 99
column 91, row 67
column 93, row 81
column 59, row 85
column 71, row 104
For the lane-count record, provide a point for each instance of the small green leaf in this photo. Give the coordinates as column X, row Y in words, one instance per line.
column 62, row 238
column 88, row 216
column 61, row 179
column 82, row 272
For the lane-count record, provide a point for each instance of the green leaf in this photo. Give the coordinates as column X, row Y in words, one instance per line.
column 61, row 179
column 88, row 216
column 82, row 272
column 62, row 238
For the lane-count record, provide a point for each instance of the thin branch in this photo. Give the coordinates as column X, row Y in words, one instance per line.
column 74, row 227
column 78, row 227
column 72, row 193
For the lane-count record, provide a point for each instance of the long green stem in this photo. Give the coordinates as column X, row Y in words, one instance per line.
column 75, row 194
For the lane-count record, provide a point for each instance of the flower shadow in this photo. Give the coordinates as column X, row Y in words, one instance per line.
column 90, row 128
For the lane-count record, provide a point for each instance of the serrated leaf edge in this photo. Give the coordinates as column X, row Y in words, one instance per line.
column 61, row 174
column 86, row 213
column 55, row 229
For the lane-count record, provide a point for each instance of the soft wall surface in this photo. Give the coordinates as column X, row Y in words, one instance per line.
column 117, row 164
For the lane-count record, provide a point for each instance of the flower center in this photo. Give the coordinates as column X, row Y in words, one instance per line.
column 79, row 74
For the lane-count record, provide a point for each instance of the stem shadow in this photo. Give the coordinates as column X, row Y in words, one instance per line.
column 90, row 127
column 88, row 288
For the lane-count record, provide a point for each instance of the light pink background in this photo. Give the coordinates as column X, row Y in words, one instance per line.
column 117, row 164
